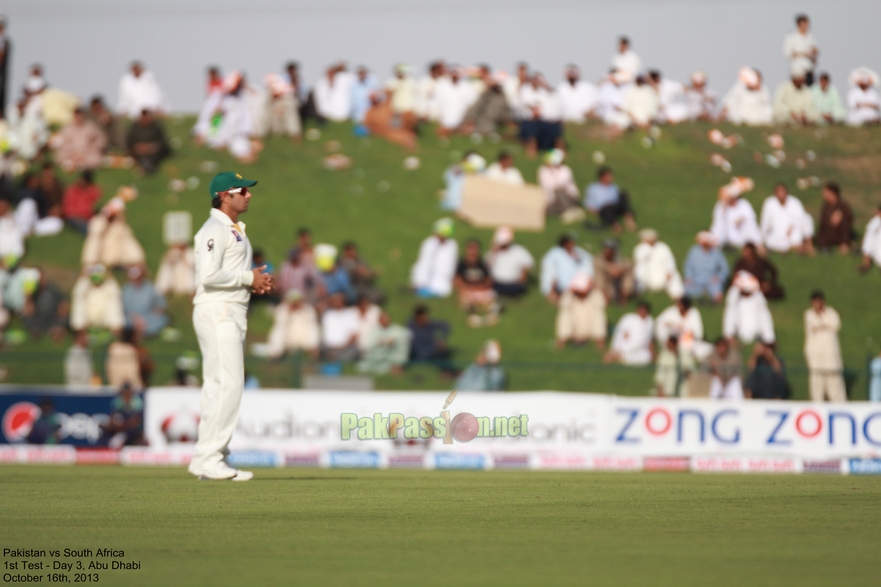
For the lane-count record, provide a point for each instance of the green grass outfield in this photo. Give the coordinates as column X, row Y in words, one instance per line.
column 388, row 210
column 346, row 527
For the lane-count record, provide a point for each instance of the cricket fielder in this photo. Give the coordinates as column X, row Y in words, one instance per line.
column 224, row 281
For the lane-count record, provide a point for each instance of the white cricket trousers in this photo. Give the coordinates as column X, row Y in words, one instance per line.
column 220, row 328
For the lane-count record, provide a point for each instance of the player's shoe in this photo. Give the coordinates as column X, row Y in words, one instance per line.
column 243, row 475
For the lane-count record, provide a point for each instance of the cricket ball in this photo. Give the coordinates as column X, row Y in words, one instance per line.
column 464, row 427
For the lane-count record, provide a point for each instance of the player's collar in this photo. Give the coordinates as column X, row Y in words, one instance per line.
column 222, row 217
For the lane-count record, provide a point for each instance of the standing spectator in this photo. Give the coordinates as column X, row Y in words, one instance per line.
column 386, row 349
column 485, row 373
column 784, row 223
column 139, row 91
column 474, row 285
column 801, row 49
column 509, row 264
column 626, row 59
column 560, row 265
column 5, row 51
column 767, row 374
column 340, row 327
column 699, row 99
column 673, row 368
column 294, row 328
column 78, row 362
column 609, row 202
column 706, row 268
column 428, row 341
column 80, row 200
column 146, row 142
column 836, row 221
column 655, row 266
column 762, row 269
column 863, row 101
column 80, row 144
column 581, row 315
column 746, row 311
column 96, row 301
column 432, row 274
column 614, row 274
column 828, row 101
column 871, row 247
column 503, row 170
column 144, row 307
column 558, row 183
column 361, row 276
column 632, row 339
column 726, row 369
column 822, row 351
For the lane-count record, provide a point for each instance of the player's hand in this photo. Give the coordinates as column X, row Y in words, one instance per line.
column 262, row 281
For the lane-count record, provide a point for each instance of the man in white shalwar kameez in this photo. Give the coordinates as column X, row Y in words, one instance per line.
column 801, row 49
column 863, row 100
column 626, row 59
column 823, row 351
column 685, row 323
column 139, row 90
column 432, row 275
column 427, row 105
column 612, row 107
column 748, row 101
column 671, row 97
column 578, row 99
column 641, row 103
column 632, row 339
column 700, row 101
column 236, row 127
column 747, row 316
column 295, row 327
column 655, row 266
column 871, row 246
column 454, row 96
column 734, row 220
column 333, row 94
column 784, row 224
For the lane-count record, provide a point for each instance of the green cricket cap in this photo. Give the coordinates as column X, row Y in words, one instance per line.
column 227, row 180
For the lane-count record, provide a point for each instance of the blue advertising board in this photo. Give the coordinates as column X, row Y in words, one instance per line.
column 75, row 417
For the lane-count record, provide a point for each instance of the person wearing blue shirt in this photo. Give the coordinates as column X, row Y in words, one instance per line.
column 609, row 202
column 706, row 268
column 560, row 264
column 364, row 86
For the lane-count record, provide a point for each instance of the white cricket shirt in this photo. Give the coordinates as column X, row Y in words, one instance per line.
column 223, row 261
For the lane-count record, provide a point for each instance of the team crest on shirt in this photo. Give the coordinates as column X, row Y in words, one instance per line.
column 237, row 235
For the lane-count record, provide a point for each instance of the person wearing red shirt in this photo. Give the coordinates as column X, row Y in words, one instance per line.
column 80, row 200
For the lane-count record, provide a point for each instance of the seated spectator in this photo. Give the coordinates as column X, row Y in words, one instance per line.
column 836, row 221
column 609, row 202
column 654, row 266
column 581, row 315
column 17, row 288
column 364, row 86
column 146, row 142
column 145, row 308
column 11, row 237
column 294, row 328
column 762, row 269
column 238, row 126
column 706, row 268
column 748, row 101
column 784, row 224
column 734, row 220
column 474, row 286
column 673, row 369
column 125, row 426
column 611, row 107
column 46, row 308
column 300, row 275
column 503, row 170
column 454, row 96
column 614, row 274
column 725, row 366
column 454, row 179
column 485, row 373
column 79, row 145
column 794, row 103
column 509, row 264
column 361, row 276
column 490, row 112
column 672, row 107
column 333, row 93
column 579, row 99
column 684, row 322
column 177, row 271
column 107, row 122
column 432, row 274
column 632, row 339
column 305, row 246
column 542, row 128
column 560, row 265
column 96, row 301
column 46, row 429
column 110, row 241
column 428, row 340
column 828, row 101
column 863, row 100
column 80, row 200
column 281, row 108
column 641, row 103
column 386, row 348
column 875, row 383
column 558, row 183
column 747, row 316
column 33, row 214
column 381, row 120
column 340, row 327
column 767, row 374
column 871, row 247
column 128, row 362
column 699, row 99
column 336, row 279
column 52, row 186
column 78, row 362
column 368, row 318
